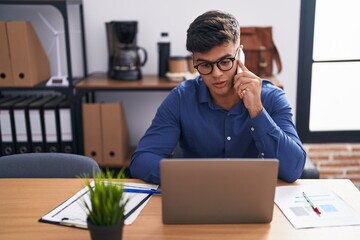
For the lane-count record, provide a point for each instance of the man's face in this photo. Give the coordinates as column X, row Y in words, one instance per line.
column 219, row 82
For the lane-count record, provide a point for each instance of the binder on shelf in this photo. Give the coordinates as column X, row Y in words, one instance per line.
column 37, row 126
column 29, row 62
column 22, row 125
column 91, row 119
column 52, row 125
column 3, row 100
column 66, row 134
column 6, row 74
column 8, row 126
column 114, row 134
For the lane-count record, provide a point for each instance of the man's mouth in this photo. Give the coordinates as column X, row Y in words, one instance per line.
column 220, row 84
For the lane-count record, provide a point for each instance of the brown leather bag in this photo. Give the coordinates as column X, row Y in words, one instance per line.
column 260, row 50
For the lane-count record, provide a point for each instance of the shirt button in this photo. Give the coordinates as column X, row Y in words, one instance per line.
column 252, row 129
column 228, row 138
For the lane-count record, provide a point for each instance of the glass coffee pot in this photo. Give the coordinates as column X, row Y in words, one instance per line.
column 124, row 55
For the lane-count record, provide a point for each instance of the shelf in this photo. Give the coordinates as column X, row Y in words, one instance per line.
column 148, row 82
column 63, row 7
column 71, row 14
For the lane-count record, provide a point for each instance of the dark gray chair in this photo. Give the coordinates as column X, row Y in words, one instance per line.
column 310, row 171
column 47, row 165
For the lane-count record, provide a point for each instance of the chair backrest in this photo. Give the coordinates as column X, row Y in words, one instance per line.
column 47, row 165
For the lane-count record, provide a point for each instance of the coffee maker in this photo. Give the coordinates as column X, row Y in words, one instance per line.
column 124, row 54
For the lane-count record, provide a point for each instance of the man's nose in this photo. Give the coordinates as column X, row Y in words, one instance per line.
column 216, row 70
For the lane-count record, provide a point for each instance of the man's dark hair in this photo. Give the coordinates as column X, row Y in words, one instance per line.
column 212, row 29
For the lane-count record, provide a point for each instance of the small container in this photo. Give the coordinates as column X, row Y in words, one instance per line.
column 164, row 54
column 177, row 64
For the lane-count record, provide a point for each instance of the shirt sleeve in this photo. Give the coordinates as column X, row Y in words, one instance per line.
column 158, row 142
column 275, row 136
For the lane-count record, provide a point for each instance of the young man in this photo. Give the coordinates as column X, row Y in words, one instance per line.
column 226, row 112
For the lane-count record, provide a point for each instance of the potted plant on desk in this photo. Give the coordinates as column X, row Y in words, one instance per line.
column 105, row 210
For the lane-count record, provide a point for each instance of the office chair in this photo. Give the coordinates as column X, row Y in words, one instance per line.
column 47, row 165
column 310, row 171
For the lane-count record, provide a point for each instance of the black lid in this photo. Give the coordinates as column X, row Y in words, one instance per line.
column 177, row 57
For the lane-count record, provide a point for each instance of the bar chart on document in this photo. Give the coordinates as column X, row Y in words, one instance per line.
column 314, row 206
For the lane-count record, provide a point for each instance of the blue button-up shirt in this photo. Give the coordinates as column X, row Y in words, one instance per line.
column 205, row 130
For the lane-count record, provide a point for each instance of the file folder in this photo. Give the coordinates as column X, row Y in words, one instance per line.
column 6, row 74
column 30, row 64
column 22, row 125
column 37, row 126
column 8, row 126
column 91, row 119
column 114, row 134
column 52, row 125
column 66, row 128
column 3, row 100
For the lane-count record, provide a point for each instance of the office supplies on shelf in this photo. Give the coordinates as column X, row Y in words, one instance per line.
column 115, row 135
column 219, row 191
column 8, row 126
column 91, row 121
column 139, row 190
column 66, row 133
column 37, row 126
column 316, row 209
column 295, row 206
column 22, row 124
column 3, row 100
column 71, row 212
column 52, row 124
column 29, row 61
column 6, row 74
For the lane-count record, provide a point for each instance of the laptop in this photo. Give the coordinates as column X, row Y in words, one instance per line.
column 218, row 191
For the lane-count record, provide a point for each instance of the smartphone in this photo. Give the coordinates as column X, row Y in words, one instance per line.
column 242, row 59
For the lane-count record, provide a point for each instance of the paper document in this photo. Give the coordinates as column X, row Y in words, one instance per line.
column 72, row 212
column 314, row 206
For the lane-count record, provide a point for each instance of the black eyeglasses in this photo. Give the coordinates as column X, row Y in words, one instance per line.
column 224, row 64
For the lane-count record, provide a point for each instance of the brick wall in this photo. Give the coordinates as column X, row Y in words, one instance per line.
column 336, row 160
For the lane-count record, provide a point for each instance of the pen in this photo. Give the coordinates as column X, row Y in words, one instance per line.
column 316, row 209
column 136, row 190
column 71, row 223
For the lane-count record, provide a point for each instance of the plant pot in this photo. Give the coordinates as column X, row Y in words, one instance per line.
column 111, row 232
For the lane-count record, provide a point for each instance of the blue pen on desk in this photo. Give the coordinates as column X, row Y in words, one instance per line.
column 137, row 190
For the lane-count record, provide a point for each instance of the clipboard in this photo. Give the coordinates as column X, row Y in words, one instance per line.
column 72, row 213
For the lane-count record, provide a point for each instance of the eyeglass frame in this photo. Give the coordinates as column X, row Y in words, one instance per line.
column 232, row 59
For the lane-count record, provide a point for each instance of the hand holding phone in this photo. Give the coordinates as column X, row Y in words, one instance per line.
column 242, row 59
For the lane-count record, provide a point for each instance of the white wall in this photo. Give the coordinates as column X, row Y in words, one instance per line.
column 174, row 17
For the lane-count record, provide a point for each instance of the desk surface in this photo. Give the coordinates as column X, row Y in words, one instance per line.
column 148, row 82
column 24, row 201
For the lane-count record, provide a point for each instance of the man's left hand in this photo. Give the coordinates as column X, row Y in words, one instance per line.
column 248, row 87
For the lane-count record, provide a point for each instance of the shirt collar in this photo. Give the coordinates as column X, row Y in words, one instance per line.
column 204, row 97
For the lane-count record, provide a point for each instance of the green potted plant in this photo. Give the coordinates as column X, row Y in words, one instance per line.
column 105, row 210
